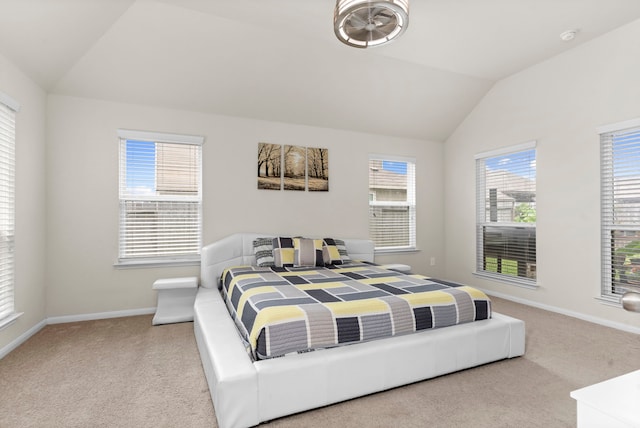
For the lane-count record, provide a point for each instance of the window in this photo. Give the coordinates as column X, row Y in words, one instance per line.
column 160, row 197
column 620, row 193
column 392, row 203
column 506, row 214
column 8, row 109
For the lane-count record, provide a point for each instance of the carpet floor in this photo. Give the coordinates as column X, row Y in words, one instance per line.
column 124, row 372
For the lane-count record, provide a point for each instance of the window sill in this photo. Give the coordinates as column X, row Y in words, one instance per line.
column 524, row 283
column 396, row 250
column 10, row 319
column 154, row 263
column 609, row 301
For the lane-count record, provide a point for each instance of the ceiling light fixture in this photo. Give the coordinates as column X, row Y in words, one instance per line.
column 364, row 24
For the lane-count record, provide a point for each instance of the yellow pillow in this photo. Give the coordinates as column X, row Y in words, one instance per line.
column 330, row 252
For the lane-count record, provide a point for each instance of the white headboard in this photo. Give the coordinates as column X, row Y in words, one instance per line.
column 237, row 249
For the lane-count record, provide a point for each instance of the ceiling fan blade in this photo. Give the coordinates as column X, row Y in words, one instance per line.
column 387, row 28
column 357, row 21
column 377, row 34
column 365, row 35
column 360, row 35
column 375, row 11
column 350, row 29
column 384, row 16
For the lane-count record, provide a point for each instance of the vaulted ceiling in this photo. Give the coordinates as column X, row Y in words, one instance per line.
column 279, row 59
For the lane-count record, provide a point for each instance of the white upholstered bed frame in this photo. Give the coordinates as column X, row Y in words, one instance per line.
column 245, row 393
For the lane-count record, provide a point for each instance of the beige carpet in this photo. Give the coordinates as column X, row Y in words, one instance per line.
column 126, row 373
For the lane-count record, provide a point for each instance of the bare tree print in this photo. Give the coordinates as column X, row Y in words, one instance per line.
column 318, row 169
column 269, row 166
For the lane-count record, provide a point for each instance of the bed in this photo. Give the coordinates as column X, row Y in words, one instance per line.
column 247, row 391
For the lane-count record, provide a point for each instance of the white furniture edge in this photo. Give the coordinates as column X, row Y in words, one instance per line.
column 245, row 393
column 176, row 297
column 175, row 283
column 398, row 267
column 610, row 403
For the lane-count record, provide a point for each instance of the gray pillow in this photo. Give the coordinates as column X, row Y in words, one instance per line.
column 263, row 250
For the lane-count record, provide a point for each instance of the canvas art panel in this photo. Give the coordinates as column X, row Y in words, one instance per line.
column 295, row 168
column 269, row 166
column 317, row 169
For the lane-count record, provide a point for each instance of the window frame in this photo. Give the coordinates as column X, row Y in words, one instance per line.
column 8, row 115
column 481, row 222
column 157, row 138
column 609, row 226
column 410, row 202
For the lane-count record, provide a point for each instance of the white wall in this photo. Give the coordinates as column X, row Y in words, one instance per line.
column 82, row 190
column 559, row 103
column 70, row 195
column 30, row 200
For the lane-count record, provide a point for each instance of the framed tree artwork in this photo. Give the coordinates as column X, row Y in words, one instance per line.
column 292, row 167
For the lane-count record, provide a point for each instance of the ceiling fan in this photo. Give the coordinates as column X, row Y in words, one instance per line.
column 363, row 24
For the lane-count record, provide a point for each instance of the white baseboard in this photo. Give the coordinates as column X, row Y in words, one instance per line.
column 70, row 318
column 573, row 314
column 100, row 315
column 4, row 351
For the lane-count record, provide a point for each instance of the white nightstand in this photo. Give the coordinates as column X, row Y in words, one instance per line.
column 176, row 297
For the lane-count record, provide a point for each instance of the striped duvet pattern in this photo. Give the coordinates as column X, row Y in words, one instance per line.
column 285, row 310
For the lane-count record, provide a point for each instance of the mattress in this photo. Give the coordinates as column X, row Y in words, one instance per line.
column 279, row 311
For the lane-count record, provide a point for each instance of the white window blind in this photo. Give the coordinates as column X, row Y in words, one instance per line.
column 506, row 214
column 392, row 203
column 7, row 209
column 160, row 197
column 620, row 193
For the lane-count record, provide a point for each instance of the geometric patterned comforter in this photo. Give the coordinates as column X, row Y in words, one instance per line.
column 285, row 310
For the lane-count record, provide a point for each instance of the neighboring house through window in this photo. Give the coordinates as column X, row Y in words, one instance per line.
column 506, row 214
column 392, row 203
column 8, row 109
column 160, row 197
column 620, row 193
